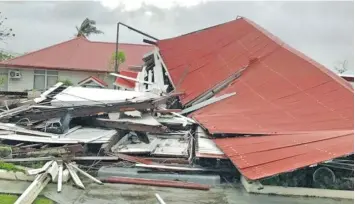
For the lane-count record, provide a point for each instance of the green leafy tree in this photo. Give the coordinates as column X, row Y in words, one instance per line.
column 121, row 58
column 66, row 82
column 87, row 28
column 5, row 56
column 5, row 32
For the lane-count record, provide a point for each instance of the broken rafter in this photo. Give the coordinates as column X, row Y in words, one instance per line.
column 206, row 103
column 133, row 159
column 31, row 193
column 82, row 111
column 167, row 111
column 126, row 125
column 130, row 78
column 30, row 159
column 216, row 89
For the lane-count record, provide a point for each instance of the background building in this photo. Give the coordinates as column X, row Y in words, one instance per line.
column 75, row 60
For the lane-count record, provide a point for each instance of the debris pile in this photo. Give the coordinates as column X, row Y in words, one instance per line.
column 122, row 136
column 230, row 107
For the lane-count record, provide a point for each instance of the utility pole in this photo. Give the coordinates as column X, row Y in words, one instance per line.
column 117, row 39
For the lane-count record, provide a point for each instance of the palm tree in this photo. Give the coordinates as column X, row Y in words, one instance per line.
column 87, row 28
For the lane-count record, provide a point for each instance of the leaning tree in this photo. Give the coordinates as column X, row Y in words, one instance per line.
column 5, row 32
column 87, row 28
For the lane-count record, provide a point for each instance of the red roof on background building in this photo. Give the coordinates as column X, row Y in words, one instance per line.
column 125, row 82
column 281, row 91
column 80, row 54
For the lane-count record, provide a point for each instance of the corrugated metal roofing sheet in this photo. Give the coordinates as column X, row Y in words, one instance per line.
column 211, row 55
column 270, row 100
column 262, row 156
column 80, row 54
column 281, row 92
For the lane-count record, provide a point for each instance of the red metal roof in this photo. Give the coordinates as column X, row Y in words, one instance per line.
column 125, row 82
column 305, row 106
column 281, row 90
column 200, row 60
column 275, row 101
column 80, row 54
column 262, row 156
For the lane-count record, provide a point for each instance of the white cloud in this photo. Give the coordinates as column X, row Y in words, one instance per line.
column 322, row 30
column 131, row 5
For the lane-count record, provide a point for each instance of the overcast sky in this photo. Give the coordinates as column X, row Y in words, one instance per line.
column 322, row 30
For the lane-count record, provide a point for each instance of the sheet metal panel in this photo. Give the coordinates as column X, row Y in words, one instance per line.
column 262, row 156
column 79, row 96
column 205, row 147
column 211, row 55
column 171, row 147
column 281, row 91
column 274, row 97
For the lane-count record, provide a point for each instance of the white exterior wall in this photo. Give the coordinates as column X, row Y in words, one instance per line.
column 76, row 76
column 25, row 83
column 27, row 80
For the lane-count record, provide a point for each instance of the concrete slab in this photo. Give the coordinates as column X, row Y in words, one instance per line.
column 105, row 172
column 256, row 187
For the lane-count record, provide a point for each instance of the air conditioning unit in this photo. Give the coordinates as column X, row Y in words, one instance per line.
column 15, row 74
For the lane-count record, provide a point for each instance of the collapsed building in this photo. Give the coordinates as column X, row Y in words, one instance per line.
column 226, row 99
column 299, row 112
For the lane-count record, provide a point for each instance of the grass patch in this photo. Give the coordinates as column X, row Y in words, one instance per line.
column 10, row 167
column 10, row 199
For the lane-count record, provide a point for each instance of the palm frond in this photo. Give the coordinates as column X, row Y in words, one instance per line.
column 87, row 28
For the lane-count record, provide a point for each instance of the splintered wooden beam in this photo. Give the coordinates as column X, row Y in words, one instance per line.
column 125, row 125
column 85, row 174
column 74, row 176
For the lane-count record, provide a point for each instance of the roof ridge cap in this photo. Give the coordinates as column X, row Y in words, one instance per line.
column 137, row 44
column 36, row 51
